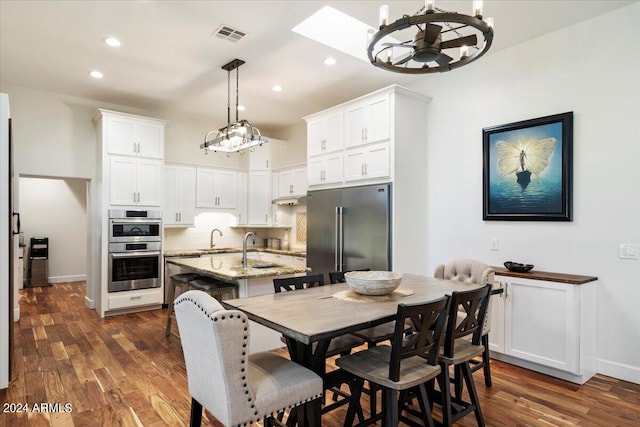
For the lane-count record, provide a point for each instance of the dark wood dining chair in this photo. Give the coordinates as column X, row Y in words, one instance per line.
column 297, row 283
column 458, row 352
column 401, row 366
column 474, row 273
column 341, row 345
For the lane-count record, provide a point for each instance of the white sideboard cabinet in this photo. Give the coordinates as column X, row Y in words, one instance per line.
column 546, row 322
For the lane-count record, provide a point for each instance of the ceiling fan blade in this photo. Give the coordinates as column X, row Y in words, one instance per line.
column 462, row 41
column 432, row 32
column 444, row 60
column 404, row 60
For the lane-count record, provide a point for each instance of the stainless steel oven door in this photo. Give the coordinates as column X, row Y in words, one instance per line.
column 134, row 270
column 135, row 230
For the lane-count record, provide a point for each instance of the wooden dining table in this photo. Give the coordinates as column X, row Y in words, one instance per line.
column 318, row 314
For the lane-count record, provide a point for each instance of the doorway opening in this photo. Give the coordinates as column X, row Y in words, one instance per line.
column 56, row 208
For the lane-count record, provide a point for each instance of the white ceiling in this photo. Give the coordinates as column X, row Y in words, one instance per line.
column 169, row 60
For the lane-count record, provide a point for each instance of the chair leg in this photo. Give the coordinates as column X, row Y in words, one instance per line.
column 172, row 294
column 196, row 413
column 444, row 381
column 425, row 406
column 486, row 368
column 354, row 404
column 473, row 395
column 390, row 403
column 314, row 413
column 457, row 381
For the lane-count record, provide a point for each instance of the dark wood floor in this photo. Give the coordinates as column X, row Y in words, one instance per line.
column 124, row 371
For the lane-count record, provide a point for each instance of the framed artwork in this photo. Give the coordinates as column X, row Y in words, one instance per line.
column 527, row 170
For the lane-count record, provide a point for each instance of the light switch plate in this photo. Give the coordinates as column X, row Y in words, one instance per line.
column 494, row 244
column 628, row 251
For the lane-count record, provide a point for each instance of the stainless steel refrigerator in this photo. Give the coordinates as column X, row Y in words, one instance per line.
column 349, row 229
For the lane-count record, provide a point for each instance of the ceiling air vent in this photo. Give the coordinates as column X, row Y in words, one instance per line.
column 228, row 33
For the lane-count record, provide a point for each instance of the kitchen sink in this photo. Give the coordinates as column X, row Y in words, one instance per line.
column 261, row 264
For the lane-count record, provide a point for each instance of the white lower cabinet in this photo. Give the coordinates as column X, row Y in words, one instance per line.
column 546, row 326
column 137, row 298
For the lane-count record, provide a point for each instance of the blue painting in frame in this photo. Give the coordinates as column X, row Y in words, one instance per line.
column 527, row 170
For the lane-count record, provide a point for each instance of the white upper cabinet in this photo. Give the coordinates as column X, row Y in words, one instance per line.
column 326, row 169
column 135, row 182
column 325, row 133
column 259, row 198
column 133, row 136
column 216, row 188
column 292, row 183
column 368, row 121
column 367, row 162
column 180, row 195
column 242, row 206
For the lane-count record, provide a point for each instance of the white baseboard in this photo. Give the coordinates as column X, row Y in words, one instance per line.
column 619, row 370
column 73, row 278
column 90, row 303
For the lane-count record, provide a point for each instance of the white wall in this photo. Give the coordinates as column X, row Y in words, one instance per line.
column 57, row 209
column 595, row 74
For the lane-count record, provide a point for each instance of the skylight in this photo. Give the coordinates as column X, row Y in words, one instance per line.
column 347, row 34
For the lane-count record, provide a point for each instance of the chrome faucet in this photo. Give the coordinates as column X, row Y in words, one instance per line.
column 211, row 244
column 244, row 246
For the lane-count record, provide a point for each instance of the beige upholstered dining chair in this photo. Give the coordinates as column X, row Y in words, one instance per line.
column 472, row 272
column 238, row 388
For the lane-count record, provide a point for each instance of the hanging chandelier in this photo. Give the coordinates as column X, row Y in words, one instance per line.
column 439, row 40
column 236, row 136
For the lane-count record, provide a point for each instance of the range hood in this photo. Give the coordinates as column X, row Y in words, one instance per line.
column 290, row 201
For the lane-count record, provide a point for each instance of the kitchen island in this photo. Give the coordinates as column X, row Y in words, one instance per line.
column 256, row 279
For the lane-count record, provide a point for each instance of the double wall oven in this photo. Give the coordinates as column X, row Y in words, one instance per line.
column 135, row 249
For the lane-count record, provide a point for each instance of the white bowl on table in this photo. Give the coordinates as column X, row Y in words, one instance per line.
column 373, row 282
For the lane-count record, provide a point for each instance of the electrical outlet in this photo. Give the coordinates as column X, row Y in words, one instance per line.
column 628, row 251
column 494, row 244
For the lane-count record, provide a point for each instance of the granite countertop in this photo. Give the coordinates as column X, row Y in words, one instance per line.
column 229, row 267
column 214, row 251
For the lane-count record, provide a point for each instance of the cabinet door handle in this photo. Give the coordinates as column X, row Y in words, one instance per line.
column 366, row 169
column 291, row 189
column 180, row 216
column 506, row 290
column 176, row 216
column 137, row 297
column 366, row 133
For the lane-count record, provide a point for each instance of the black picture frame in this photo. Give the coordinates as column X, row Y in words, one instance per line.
column 527, row 170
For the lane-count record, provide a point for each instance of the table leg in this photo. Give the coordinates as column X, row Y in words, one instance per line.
column 312, row 357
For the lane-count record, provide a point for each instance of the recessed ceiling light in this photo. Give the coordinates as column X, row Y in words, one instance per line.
column 277, row 88
column 330, row 61
column 241, row 108
column 96, row 74
column 112, row 41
